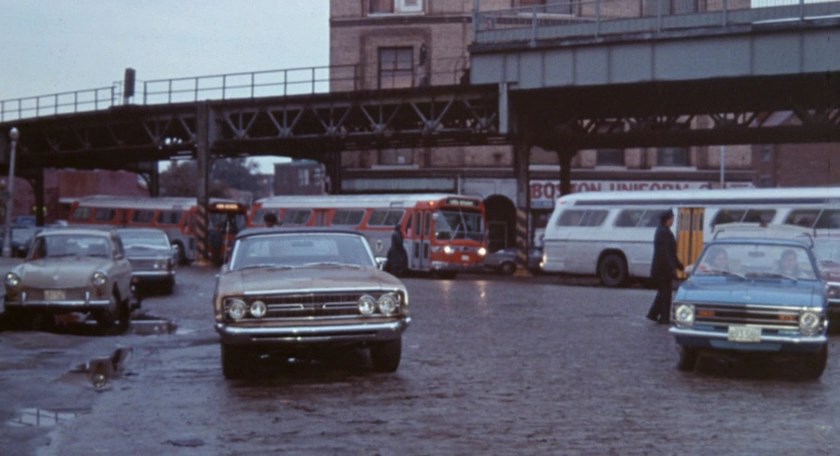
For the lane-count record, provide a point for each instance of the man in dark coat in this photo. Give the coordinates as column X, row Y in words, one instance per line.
column 397, row 256
column 663, row 268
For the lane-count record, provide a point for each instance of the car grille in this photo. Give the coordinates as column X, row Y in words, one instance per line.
column 308, row 305
column 764, row 316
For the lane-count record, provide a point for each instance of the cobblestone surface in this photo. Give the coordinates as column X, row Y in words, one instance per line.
column 491, row 365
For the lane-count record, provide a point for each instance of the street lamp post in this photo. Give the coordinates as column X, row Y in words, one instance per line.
column 7, row 242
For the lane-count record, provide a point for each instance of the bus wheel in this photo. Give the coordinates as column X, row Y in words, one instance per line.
column 612, row 270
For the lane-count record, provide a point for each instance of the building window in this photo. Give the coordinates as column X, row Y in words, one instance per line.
column 303, row 177
column 396, row 67
column 610, row 157
column 672, row 156
column 555, row 7
column 395, row 6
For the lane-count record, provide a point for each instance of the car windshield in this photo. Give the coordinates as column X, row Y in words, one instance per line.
column 756, row 260
column 300, row 249
column 827, row 250
column 64, row 245
column 141, row 239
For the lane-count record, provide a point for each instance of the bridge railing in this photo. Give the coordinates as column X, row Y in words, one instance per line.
column 285, row 82
column 594, row 18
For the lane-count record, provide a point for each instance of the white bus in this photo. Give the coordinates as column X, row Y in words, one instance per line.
column 610, row 234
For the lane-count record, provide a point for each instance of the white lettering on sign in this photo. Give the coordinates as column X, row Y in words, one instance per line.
column 545, row 192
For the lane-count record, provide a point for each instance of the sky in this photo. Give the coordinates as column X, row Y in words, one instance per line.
column 52, row 46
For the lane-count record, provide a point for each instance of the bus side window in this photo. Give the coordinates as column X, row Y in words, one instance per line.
column 81, row 214
column 802, row 217
column 142, row 217
column 104, row 215
column 169, row 217
column 830, row 218
column 629, row 217
column 728, row 216
column 594, row 218
column 408, row 225
column 763, row 216
column 351, row 217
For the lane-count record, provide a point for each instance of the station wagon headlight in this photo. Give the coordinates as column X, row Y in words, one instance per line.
column 684, row 314
column 809, row 323
column 367, row 305
column 258, row 309
column 388, row 303
column 12, row 280
column 236, row 309
column 99, row 279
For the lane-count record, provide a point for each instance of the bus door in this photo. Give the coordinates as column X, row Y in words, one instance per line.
column 689, row 227
column 425, row 240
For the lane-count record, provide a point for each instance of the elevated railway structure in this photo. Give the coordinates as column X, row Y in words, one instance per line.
column 565, row 76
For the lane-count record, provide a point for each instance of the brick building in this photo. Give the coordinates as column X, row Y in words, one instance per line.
column 406, row 43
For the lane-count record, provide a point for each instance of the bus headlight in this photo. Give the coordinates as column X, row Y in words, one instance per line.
column 388, row 303
column 809, row 323
column 367, row 305
column 482, row 251
column 258, row 309
column 448, row 250
column 236, row 309
column 684, row 314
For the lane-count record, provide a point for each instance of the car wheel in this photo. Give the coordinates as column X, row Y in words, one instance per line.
column 507, row 268
column 124, row 315
column 168, row 286
column 385, row 356
column 106, row 318
column 232, row 361
column 612, row 270
column 688, row 358
column 815, row 364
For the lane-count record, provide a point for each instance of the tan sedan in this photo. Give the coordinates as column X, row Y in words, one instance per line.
column 71, row 270
column 294, row 291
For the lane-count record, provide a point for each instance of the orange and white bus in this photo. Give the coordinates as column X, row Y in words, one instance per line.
column 175, row 215
column 442, row 233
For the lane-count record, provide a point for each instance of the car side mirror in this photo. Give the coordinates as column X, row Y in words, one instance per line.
column 380, row 263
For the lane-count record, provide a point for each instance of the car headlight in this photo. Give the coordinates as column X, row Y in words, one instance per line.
column 832, row 291
column 448, row 250
column 388, row 303
column 236, row 309
column 809, row 323
column 367, row 304
column 258, row 309
column 482, row 251
column 161, row 263
column 99, row 279
column 684, row 314
column 12, row 280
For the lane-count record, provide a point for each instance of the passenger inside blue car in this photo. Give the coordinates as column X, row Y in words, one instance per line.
column 788, row 264
column 716, row 261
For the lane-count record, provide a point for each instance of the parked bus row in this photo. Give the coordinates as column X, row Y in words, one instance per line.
column 610, row 235
column 443, row 233
column 177, row 216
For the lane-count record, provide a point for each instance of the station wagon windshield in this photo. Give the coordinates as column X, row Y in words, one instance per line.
column 300, row 249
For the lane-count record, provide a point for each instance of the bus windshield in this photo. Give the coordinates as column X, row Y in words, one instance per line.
column 458, row 224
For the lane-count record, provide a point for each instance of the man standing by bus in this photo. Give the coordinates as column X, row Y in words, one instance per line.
column 663, row 268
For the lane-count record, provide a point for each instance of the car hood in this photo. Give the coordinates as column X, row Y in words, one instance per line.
column 66, row 272
column 729, row 291
column 305, row 278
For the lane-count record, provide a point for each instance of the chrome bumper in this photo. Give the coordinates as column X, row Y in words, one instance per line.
column 299, row 335
column 69, row 305
column 684, row 332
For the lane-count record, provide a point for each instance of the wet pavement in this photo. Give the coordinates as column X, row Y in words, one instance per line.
column 491, row 365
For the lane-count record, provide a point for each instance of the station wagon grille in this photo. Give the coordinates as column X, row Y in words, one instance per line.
column 769, row 317
column 341, row 304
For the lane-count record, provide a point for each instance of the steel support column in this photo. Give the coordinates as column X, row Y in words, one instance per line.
column 521, row 165
column 37, row 183
column 203, row 141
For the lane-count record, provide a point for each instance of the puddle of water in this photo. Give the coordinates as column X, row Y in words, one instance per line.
column 152, row 327
column 38, row 417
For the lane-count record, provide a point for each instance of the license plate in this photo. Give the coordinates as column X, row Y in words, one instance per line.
column 465, row 258
column 744, row 334
column 54, row 295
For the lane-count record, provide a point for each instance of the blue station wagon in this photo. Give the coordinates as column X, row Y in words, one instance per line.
column 749, row 295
